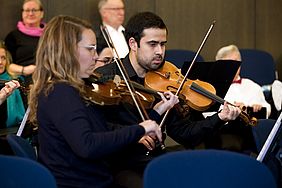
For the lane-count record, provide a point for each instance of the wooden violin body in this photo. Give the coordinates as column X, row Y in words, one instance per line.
column 113, row 92
column 243, row 115
column 169, row 77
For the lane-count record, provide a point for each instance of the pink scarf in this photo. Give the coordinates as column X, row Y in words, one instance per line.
column 35, row 32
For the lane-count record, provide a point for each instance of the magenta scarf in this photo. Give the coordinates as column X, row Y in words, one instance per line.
column 31, row 31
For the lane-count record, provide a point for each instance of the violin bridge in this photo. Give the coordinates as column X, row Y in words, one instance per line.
column 117, row 80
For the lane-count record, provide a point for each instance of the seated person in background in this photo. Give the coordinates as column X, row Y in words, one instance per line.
column 105, row 54
column 22, row 42
column 112, row 17
column 243, row 91
column 12, row 110
column 74, row 140
column 5, row 92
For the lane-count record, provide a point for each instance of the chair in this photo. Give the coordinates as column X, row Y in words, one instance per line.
column 261, row 131
column 178, row 57
column 258, row 66
column 273, row 159
column 21, row 147
column 276, row 91
column 24, row 173
column 207, row 168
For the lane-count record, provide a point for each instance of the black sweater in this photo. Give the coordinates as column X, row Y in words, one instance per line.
column 74, row 141
column 189, row 131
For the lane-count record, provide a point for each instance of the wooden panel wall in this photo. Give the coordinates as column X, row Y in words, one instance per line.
column 247, row 23
column 269, row 29
column 195, row 16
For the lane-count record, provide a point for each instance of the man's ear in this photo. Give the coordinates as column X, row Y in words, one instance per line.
column 132, row 44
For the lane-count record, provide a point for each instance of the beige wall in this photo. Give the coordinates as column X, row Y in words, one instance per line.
column 247, row 23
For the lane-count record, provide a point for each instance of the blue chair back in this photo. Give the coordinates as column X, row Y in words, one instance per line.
column 207, row 168
column 178, row 57
column 24, row 173
column 21, row 147
column 261, row 131
column 258, row 66
column 273, row 159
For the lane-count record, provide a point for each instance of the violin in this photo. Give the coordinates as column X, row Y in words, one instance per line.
column 199, row 95
column 113, row 92
column 243, row 115
column 104, row 91
column 169, row 77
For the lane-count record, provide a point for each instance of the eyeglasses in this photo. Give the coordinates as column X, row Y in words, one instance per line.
column 90, row 47
column 115, row 9
column 31, row 10
column 3, row 58
column 105, row 60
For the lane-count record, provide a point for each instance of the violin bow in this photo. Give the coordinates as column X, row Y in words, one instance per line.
column 124, row 74
column 193, row 61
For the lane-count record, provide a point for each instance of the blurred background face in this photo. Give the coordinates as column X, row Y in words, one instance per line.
column 105, row 57
column 113, row 13
column 31, row 14
column 3, row 60
column 234, row 56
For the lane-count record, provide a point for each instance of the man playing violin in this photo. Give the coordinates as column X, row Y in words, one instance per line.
column 146, row 35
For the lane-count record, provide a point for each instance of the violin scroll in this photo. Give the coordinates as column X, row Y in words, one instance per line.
column 252, row 121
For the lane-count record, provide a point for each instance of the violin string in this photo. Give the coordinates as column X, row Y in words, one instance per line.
column 199, row 89
column 244, row 116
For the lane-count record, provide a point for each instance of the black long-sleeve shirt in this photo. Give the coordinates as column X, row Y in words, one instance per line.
column 189, row 131
column 74, row 141
column 23, row 49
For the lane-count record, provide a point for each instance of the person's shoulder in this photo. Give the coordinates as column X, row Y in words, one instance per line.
column 250, row 82
column 12, row 33
column 98, row 32
column 63, row 86
column 107, row 69
column 17, row 35
column 63, row 91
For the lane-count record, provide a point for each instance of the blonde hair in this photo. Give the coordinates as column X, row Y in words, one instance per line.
column 227, row 50
column 57, row 58
column 103, row 2
column 9, row 59
column 37, row 1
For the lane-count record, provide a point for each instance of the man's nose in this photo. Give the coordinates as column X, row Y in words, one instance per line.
column 159, row 49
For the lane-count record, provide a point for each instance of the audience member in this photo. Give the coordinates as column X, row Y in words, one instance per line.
column 22, row 42
column 112, row 15
column 105, row 55
column 12, row 110
column 243, row 91
column 74, row 140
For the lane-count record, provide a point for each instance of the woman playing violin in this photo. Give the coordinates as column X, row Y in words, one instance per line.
column 146, row 35
column 74, row 140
